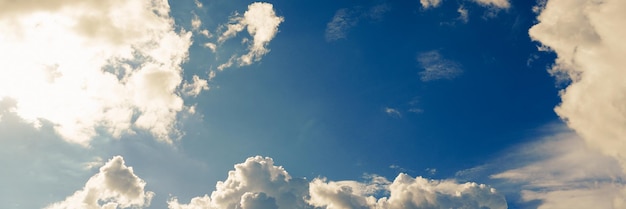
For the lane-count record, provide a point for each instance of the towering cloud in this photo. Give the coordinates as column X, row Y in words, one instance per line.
column 93, row 66
column 115, row 186
column 587, row 37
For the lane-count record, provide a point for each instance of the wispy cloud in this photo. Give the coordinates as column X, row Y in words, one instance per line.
column 499, row 4
column 436, row 67
column 345, row 19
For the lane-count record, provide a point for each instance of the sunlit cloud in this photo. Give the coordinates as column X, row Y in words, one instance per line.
column 96, row 66
column 115, row 186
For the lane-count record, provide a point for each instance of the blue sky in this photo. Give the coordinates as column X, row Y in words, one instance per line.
column 312, row 104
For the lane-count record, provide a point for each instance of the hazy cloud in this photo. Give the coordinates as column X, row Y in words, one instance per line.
column 115, row 186
column 436, row 67
column 345, row 19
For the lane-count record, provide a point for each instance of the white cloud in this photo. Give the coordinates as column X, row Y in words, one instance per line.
column 258, row 183
column 436, row 67
column 430, row 3
column 261, row 22
column 196, row 86
column 392, row 112
column 115, row 186
column 257, row 176
column 587, row 38
column 500, row 4
column 345, row 19
column 196, row 23
column 91, row 66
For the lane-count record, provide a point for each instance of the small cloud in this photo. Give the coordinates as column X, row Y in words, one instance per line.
column 436, row 67
column 498, row 4
column 195, row 87
column 97, row 162
column 345, row 19
column 392, row 112
column 261, row 22
column 196, row 23
column 426, row 4
column 211, row 46
column 431, row 171
column 463, row 14
column 198, row 3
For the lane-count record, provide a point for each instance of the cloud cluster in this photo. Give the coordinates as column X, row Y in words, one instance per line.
column 93, row 67
column 258, row 183
column 261, row 22
column 115, row 186
column 436, row 67
column 345, row 19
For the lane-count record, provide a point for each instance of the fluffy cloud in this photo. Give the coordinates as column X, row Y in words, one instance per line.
column 345, row 19
column 258, row 183
column 96, row 66
column 436, row 67
column 587, row 38
column 261, row 22
column 115, row 186
column 255, row 182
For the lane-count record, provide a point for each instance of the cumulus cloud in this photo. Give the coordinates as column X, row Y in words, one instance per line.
column 255, row 182
column 436, row 67
column 115, row 186
column 588, row 42
column 97, row 66
column 345, row 19
column 463, row 14
column 258, row 183
column 587, row 38
column 261, row 22
column 430, row 3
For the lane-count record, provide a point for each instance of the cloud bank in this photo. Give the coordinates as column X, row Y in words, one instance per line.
column 94, row 67
column 115, row 186
column 584, row 170
column 258, row 183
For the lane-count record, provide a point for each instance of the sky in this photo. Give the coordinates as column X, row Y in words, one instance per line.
column 377, row 104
